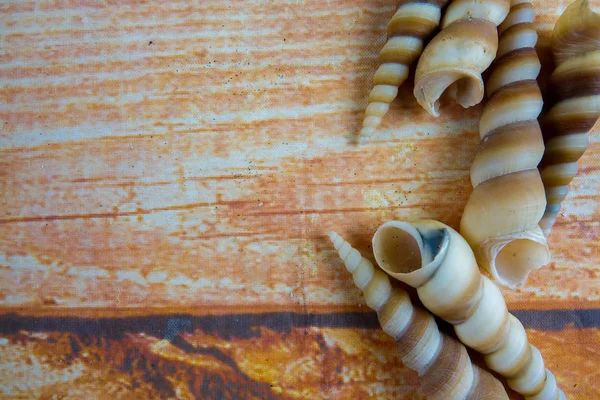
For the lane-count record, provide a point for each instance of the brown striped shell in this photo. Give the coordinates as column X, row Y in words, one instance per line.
column 439, row 263
column 575, row 91
column 455, row 58
column 412, row 24
column 501, row 219
column 443, row 364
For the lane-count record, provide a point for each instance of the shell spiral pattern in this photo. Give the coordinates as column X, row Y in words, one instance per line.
column 412, row 24
column 575, row 88
column 455, row 58
column 501, row 219
column 439, row 263
column 443, row 364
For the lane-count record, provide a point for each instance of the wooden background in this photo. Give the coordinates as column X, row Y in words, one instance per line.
column 168, row 173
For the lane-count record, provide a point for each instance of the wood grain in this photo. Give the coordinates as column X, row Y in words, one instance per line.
column 188, row 158
column 118, row 361
column 192, row 155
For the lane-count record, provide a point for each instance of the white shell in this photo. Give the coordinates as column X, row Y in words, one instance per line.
column 501, row 219
column 456, row 57
column 443, row 364
column 438, row 262
column 410, row 26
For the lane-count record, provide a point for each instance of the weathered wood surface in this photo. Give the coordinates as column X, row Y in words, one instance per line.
column 193, row 155
column 189, row 157
column 115, row 360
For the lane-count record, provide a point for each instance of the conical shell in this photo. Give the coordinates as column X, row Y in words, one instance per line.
column 455, row 58
column 412, row 24
column 576, row 32
column 439, row 263
column 443, row 364
column 501, row 219
column 575, row 89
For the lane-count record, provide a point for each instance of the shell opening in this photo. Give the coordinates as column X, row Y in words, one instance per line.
column 515, row 260
column 408, row 252
column 468, row 92
column 397, row 250
column 461, row 86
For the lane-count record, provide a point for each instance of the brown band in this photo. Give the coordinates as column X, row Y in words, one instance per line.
column 572, row 84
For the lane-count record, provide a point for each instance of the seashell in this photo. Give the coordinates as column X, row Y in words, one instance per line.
column 412, row 24
column 575, row 88
column 501, row 219
column 439, row 263
column 443, row 364
column 455, row 58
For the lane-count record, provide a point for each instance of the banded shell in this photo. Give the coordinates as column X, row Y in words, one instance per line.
column 412, row 24
column 501, row 219
column 455, row 58
column 439, row 263
column 575, row 90
column 443, row 364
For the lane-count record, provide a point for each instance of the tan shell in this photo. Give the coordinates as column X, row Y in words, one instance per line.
column 439, row 263
column 575, row 87
column 443, row 364
column 501, row 219
column 465, row 47
column 411, row 25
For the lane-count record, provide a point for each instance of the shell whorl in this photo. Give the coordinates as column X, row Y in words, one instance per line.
column 412, row 24
column 501, row 219
column 575, row 88
column 440, row 264
column 443, row 364
column 455, row 58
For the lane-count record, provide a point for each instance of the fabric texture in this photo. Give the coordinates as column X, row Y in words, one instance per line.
column 168, row 175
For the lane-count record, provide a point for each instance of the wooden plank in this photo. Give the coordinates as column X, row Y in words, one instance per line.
column 190, row 157
column 247, row 358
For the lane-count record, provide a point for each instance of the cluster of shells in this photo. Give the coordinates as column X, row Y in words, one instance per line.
column 520, row 175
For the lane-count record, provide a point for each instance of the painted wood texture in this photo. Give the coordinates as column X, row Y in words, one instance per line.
column 159, row 158
column 117, row 361
column 193, row 155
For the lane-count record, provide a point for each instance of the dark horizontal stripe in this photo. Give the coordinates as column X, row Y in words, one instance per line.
column 564, row 155
column 403, row 56
column 574, row 84
column 516, row 56
column 554, row 179
column 519, row 126
column 567, row 125
column 420, row 28
column 237, row 325
column 246, row 325
column 555, row 320
column 511, row 91
column 530, row 85
column 514, row 29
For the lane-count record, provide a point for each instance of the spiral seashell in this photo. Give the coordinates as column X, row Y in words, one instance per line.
column 412, row 24
column 439, row 263
column 455, row 58
column 575, row 88
column 501, row 218
column 444, row 367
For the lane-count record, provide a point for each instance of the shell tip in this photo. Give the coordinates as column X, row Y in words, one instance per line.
column 365, row 133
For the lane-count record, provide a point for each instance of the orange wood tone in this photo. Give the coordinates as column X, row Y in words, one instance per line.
column 189, row 157
column 193, row 156
column 333, row 363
